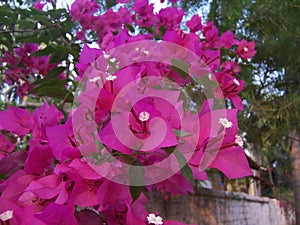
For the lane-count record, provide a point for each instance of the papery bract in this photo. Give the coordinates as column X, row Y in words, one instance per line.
column 5, row 146
column 45, row 116
column 63, row 215
column 195, row 23
column 16, row 120
column 246, row 49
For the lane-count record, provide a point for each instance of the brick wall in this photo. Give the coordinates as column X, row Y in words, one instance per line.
column 210, row 207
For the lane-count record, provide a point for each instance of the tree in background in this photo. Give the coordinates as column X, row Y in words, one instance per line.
column 140, row 96
column 272, row 100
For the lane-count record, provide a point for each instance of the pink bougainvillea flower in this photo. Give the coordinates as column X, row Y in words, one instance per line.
column 12, row 214
column 144, row 128
column 232, row 162
column 38, row 5
column 63, row 215
column 142, row 7
column 12, row 163
column 88, row 217
column 88, row 56
column 46, row 187
column 118, row 204
column 210, row 31
column 83, row 11
column 198, row 174
column 81, row 183
column 40, row 157
column 45, row 116
column 195, row 23
column 218, row 140
column 211, row 58
column 169, row 185
column 16, row 120
column 134, row 117
column 64, row 145
column 227, row 39
column 230, row 87
column 170, row 18
column 145, row 16
column 246, row 49
column 22, row 63
column 231, row 67
column 5, row 146
column 14, row 186
column 188, row 40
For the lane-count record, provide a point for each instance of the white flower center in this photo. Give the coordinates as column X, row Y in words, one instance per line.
column 239, row 140
column 152, row 219
column 111, row 77
column 144, row 116
column 113, row 60
column 7, row 215
column 235, row 81
column 246, row 49
column 225, row 122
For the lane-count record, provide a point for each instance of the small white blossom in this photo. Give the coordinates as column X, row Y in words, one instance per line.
column 95, row 79
column 146, row 52
column 225, row 122
column 235, row 81
column 152, row 219
column 7, row 215
column 113, row 60
column 137, row 49
column 106, row 56
column 239, row 140
column 111, row 77
column 144, row 116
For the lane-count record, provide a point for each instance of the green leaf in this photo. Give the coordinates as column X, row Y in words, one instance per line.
column 180, row 133
column 26, row 23
column 59, row 54
column 55, row 92
column 51, row 76
column 6, row 39
column 42, row 19
column 55, row 72
column 52, row 88
column 135, row 192
column 46, row 51
column 187, row 172
column 110, row 3
column 206, row 82
column 162, row 30
column 180, row 67
column 185, row 169
column 130, row 28
column 136, row 177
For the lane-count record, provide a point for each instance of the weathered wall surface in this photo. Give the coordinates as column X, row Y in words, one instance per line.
column 209, row 207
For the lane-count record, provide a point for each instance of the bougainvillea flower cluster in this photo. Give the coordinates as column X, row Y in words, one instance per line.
column 135, row 126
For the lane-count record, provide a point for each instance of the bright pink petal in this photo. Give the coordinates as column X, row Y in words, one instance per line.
column 15, row 120
column 46, row 187
column 232, row 162
column 56, row 214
